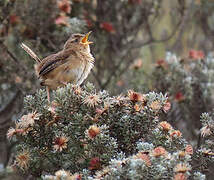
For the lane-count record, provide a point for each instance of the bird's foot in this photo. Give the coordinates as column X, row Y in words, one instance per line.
column 64, row 83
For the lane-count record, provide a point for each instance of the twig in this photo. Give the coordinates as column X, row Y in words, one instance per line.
column 152, row 40
column 183, row 26
column 13, row 57
column 9, row 53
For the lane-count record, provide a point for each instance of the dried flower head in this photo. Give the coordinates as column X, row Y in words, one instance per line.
column 165, row 126
column 159, row 151
column 134, row 96
column 28, row 120
column 180, row 176
column 14, row 19
column 193, row 54
column 182, row 154
column 179, row 97
column 60, row 143
column 22, row 159
column 166, row 106
column 137, row 64
column 10, row 133
column 75, row 176
column 182, row 168
column 23, row 131
column 145, row 157
column 94, row 163
column 102, row 173
column 92, row 100
column 155, row 105
column 18, row 131
column 161, row 63
column 205, row 131
column 189, row 149
column 98, row 114
column 64, row 6
column 93, row 131
column 62, row 173
column 107, row 105
column 175, row 133
column 120, row 83
column 119, row 99
column 137, row 107
column 77, row 90
column 62, row 19
column 108, row 27
column 18, row 79
column 100, row 111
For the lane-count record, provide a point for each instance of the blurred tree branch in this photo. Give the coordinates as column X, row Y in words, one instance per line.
column 122, row 47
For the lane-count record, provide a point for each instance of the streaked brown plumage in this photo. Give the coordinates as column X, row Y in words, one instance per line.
column 70, row 65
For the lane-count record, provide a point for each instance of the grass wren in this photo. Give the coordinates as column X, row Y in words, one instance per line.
column 70, row 65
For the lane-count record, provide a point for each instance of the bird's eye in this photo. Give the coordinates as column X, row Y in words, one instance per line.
column 76, row 40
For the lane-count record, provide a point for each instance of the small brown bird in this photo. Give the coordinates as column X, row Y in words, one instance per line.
column 70, row 65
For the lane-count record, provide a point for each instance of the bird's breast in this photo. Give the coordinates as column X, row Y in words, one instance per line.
column 75, row 74
column 85, row 71
column 74, row 71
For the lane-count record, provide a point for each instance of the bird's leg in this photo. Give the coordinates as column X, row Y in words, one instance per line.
column 48, row 93
column 64, row 83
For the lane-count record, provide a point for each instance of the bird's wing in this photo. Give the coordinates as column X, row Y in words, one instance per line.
column 53, row 61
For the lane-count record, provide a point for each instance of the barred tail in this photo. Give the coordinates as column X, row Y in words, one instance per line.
column 31, row 53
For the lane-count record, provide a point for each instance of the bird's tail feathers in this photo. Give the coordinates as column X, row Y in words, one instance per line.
column 30, row 52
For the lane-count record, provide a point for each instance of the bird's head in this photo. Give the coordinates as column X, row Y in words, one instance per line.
column 78, row 42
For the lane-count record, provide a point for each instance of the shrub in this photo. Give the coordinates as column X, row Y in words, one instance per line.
column 91, row 135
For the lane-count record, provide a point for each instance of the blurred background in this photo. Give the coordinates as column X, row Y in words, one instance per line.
column 132, row 39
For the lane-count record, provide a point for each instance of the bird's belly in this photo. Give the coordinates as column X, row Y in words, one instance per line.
column 85, row 73
column 62, row 75
column 76, row 75
column 72, row 75
column 68, row 74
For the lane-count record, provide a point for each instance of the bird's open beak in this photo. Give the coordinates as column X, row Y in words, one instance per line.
column 85, row 39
